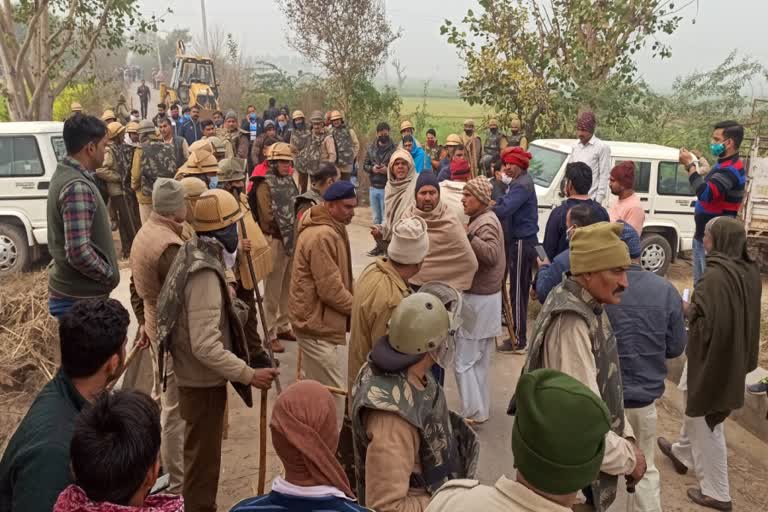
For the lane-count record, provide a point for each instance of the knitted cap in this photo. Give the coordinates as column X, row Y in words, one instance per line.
column 481, row 188
column 230, row 115
column 167, row 196
column 624, row 173
column 558, row 439
column 410, row 243
column 425, row 179
column 598, row 247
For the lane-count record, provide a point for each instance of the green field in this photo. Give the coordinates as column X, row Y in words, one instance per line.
column 445, row 115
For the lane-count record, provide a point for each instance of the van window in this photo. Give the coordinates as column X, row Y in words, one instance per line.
column 642, row 176
column 544, row 164
column 59, row 149
column 673, row 180
column 19, row 157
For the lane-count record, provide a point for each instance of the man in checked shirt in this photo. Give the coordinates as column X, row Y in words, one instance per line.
column 79, row 232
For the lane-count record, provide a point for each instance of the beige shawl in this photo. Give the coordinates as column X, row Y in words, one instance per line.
column 450, row 259
column 398, row 195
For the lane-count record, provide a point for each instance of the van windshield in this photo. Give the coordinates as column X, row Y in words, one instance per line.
column 544, row 164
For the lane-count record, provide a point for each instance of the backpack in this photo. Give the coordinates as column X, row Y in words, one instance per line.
column 158, row 160
column 345, row 152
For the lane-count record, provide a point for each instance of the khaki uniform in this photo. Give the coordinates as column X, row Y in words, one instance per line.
column 328, row 154
column 504, row 496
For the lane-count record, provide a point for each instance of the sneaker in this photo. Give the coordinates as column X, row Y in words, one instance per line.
column 759, row 388
column 507, row 347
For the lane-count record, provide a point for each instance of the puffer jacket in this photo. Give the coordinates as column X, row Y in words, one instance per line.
column 378, row 155
column 320, row 297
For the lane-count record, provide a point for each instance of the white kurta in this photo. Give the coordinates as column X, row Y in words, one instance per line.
column 475, row 342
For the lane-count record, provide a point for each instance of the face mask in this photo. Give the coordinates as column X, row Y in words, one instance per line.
column 469, row 132
column 213, row 182
column 218, row 123
column 717, row 148
column 494, row 131
column 187, row 117
column 228, row 238
column 281, row 124
column 431, row 143
column 506, row 179
column 383, row 139
column 299, row 125
column 252, row 118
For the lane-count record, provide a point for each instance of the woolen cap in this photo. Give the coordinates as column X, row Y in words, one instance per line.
column 558, row 439
column 598, row 247
column 410, row 243
column 340, row 190
column 167, row 196
column 426, row 179
column 624, row 173
column 481, row 188
column 230, row 115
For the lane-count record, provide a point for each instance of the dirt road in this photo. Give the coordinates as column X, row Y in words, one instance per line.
column 748, row 457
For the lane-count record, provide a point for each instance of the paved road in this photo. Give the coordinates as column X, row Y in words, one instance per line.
column 748, row 456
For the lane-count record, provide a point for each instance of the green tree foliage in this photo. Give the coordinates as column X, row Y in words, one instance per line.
column 56, row 40
column 543, row 61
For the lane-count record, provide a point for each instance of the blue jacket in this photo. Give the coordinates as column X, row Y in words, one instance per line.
column 418, row 155
column 277, row 502
column 555, row 240
column 518, row 210
column 192, row 131
column 650, row 328
column 551, row 275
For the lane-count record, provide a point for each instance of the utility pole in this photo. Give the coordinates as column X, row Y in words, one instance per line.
column 205, row 27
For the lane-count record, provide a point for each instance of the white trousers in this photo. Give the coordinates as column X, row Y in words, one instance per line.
column 705, row 451
column 647, row 496
column 472, row 364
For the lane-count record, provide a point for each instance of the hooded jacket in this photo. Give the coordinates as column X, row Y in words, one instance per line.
column 320, row 296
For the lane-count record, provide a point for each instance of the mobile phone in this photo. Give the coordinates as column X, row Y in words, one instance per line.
column 540, row 252
column 687, row 295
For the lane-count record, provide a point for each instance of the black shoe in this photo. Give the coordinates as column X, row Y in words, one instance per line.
column 507, row 347
column 376, row 251
column 759, row 388
column 666, row 448
column 700, row 498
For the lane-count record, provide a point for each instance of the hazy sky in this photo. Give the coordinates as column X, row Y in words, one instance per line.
column 259, row 24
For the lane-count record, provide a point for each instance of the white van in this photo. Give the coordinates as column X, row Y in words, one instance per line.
column 29, row 153
column 660, row 181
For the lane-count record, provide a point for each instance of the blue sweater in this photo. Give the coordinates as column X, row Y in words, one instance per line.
column 551, row 275
column 555, row 239
column 518, row 210
column 650, row 328
column 277, row 502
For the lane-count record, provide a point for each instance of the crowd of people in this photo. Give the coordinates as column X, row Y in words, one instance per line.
column 208, row 209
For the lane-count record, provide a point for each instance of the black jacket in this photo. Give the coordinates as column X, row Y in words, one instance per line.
column 378, row 155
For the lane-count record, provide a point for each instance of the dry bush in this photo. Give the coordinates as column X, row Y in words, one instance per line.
column 28, row 346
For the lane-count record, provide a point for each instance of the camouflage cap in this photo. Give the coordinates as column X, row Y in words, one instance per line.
column 146, row 126
column 317, row 117
column 231, row 169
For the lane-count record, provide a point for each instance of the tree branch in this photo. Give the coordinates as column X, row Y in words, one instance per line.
column 65, row 25
column 22, row 53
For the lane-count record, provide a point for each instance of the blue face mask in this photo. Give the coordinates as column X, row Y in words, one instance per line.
column 213, row 182
column 717, row 149
column 187, row 117
column 252, row 117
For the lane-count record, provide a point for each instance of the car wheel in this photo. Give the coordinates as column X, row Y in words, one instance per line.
column 14, row 250
column 656, row 254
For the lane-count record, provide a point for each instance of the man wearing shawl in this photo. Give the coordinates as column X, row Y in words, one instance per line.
column 518, row 212
column 723, row 344
column 450, row 259
column 398, row 193
column 305, row 436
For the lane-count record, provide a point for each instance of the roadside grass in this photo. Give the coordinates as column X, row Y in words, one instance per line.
column 445, row 115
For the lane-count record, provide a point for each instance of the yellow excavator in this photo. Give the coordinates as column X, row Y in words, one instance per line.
column 193, row 83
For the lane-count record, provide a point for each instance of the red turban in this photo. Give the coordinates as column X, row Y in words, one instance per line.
column 516, row 156
column 586, row 121
column 624, row 173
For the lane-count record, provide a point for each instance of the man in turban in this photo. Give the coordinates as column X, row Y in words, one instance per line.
column 519, row 214
column 593, row 152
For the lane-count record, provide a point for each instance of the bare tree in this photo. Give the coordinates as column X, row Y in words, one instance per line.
column 349, row 38
column 401, row 76
column 45, row 44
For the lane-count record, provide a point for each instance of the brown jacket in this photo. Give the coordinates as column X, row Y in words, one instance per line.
column 487, row 240
column 109, row 172
column 203, row 338
column 156, row 243
column 378, row 291
column 320, row 297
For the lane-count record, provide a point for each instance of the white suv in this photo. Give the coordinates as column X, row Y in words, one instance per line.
column 660, row 181
column 29, row 153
